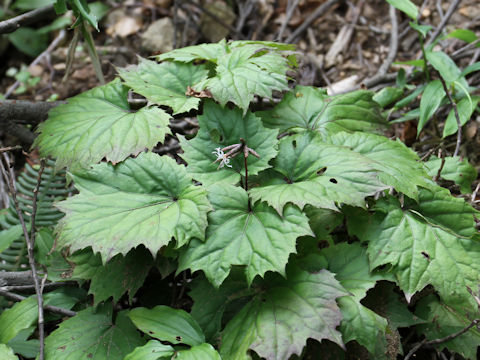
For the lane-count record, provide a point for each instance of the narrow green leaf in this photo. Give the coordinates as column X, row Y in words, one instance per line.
column 28, row 41
column 444, row 65
column 8, row 236
column 152, row 350
column 60, row 7
column 310, row 108
column 6, row 353
column 199, row 352
column 99, row 123
column 278, row 321
column 422, row 29
column 93, row 335
column 20, row 316
column 239, row 234
column 405, row 6
column 463, row 34
column 454, row 169
column 166, row 83
column 146, row 200
column 167, row 324
column 446, row 320
column 430, row 102
column 387, row 95
column 470, row 69
column 221, row 127
column 465, row 108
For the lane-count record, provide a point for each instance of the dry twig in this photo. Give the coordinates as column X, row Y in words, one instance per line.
column 10, row 25
column 9, row 179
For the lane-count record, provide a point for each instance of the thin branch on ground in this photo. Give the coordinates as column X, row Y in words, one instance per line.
column 442, row 164
column 244, row 12
column 290, row 10
column 475, row 192
column 55, row 309
column 321, row 10
column 50, row 48
column 443, row 23
column 10, row 25
column 424, row 342
column 457, row 117
column 382, row 75
column 9, row 179
column 214, row 17
column 10, row 148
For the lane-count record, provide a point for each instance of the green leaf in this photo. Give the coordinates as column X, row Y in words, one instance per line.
column 310, row 108
column 26, row 5
column 244, row 72
column 388, row 95
column 8, row 236
column 422, row 29
column 99, row 123
column 470, row 69
column 278, row 321
column 397, row 165
column 152, row 350
column 6, row 353
column 20, row 316
column 221, row 127
column 350, row 265
column 426, row 243
column 199, row 352
column 29, row 41
column 405, row 6
column 209, row 303
column 93, row 335
column 444, row 320
column 24, row 347
column 147, row 200
column 167, row 324
column 444, row 65
column 466, row 35
column 166, row 83
column 454, row 169
column 60, row 7
column 465, row 108
column 240, row 234
column 429, row 103
column 311, row 172
column 120, row 275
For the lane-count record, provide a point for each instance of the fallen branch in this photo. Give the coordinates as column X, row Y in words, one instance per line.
column 445, row 19
column 10, row 25
column 308, row 21
column 54, row 309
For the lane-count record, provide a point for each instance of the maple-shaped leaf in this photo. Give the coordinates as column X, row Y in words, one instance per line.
column 165, row 83
column 350, row 265
column 310, row 108
column 426, row 243
column 92, row 334
column 454, row 169
column 99, row 124
column 241, row 69
column 239, row 234
column 120, row 275
column 397, row 165
column 308, row 171
column 277, row 322
column 221, row 127
column 212, row 52
column 443, row 321
column 146, row 200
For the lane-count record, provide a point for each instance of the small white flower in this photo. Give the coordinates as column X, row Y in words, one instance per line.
column 224, row 161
